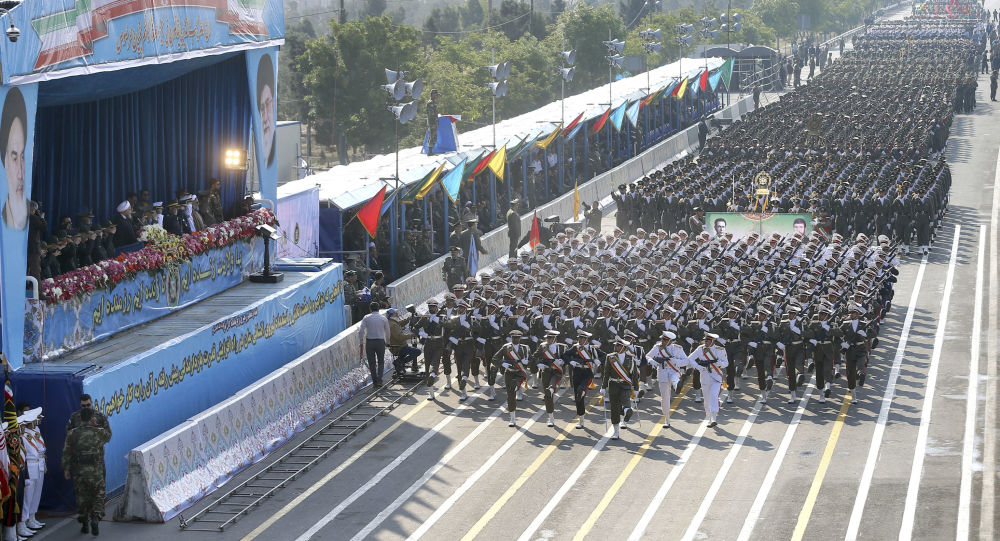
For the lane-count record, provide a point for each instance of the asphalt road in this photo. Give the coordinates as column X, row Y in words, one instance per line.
column 914, row 457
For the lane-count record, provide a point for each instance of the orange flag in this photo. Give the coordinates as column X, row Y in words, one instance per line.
column 369, row 214
column 535, row 236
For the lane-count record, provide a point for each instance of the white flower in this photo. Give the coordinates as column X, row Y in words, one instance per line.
column 57, row 292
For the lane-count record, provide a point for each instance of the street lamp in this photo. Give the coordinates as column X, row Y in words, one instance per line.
column 731, row 23
column 12, row 32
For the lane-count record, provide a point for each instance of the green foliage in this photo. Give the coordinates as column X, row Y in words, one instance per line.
column 584, row 28
column 779, row 15
column 374, row 8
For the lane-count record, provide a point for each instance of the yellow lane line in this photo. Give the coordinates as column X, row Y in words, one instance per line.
column 506, row 496
column 617, row 485
column 824, row 463
column 329, row 477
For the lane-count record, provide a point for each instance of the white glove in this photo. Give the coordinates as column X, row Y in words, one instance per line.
column 523, row 326
column 752, row 344
column 569, row 341
column 597, row 343
column 421, row 333
column 844, row 345
column 641, row 326
column 613, row 330
column 574, row 364
column 689, row 340
column 862, row 333
column 781, row 346
column 541, row 366
column 604, row 392
column 506, row 365
column 434, row 319
column 453, row 340
column 466, row 325
column 481, row 340
column 812, row 341
column 825, row 325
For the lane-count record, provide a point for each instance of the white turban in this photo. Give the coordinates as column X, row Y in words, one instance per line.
column 123, row 206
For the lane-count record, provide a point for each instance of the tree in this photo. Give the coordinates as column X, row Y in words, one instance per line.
column 374, row 8
column 779, row 15
column 584, row 29
column 472, row 14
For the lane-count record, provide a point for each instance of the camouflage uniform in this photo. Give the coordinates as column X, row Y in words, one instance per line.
column 83, row 457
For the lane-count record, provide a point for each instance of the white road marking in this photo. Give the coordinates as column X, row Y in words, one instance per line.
column 772, row 472
column 920, row 448
column 564, row 489
column 890, row 389
column 363, row 489
column 706, row 503
column 431, row 472
column 657, row 500
column 51, row 529
column 472, row 480
column 969, row 441
column 986, row 517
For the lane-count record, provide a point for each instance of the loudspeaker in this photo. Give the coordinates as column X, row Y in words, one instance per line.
column 568, row 57
column 393, row 76
column 615, row 46
column 651, row 35
column 499, row 88
column 397, row 89
column 567, row 73
column 499, row 71
column 616, row 60
column 405, row 112
column 653, row 47
column 415, row 89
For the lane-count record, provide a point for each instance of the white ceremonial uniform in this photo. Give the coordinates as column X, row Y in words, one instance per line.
column 34, row 452
column 711, row 376
column 668, row 372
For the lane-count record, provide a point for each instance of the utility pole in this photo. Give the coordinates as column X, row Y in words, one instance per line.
column 342, row 16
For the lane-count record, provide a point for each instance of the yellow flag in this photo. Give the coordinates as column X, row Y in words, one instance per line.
column 498, row 163
column 576, row 203
column 544, row 143
column 682, row 88
column 429, row 183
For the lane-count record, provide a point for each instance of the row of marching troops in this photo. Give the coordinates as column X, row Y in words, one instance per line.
column 621, row 312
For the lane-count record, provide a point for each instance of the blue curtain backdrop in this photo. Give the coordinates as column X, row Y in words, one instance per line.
column 172, row 135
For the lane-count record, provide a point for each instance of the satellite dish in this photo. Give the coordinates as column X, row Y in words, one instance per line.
column 393, row 76
column 499, row 88
column 397, row 89
column 567, row 73
column 405, row 112
column 415, row 89
column 568, row 57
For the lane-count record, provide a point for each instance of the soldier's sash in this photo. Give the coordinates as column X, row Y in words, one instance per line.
column 585, row 355
column 620, row 370
column 709, row 356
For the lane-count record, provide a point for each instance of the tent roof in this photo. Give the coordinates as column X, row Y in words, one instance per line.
column 347, row 186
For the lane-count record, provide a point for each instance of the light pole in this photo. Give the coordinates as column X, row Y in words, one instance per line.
column 650, row 44
column 615, row 60
column 565, row 76
column 730, row 23
column 498, row 87
column 399, row 89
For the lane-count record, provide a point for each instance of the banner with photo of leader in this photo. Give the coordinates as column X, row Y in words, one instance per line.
column 743, row 224
column 17, row 135
column 262, row 73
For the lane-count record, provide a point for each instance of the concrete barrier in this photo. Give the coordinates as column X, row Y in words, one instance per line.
column 428, row 281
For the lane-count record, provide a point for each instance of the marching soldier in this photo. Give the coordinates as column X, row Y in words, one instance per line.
column 619, row 373
column 825, row 339
column 730, row 338
column 792, row 346
column 710, row 360
column 458, row 332
column 431, row 331
column 584, row 360
column 551, row 370
column 761, row 336
column 83, row 460
column 693, row 332
column 669, row 359
column 854, row 332
column 513, row 358
column 490, row 328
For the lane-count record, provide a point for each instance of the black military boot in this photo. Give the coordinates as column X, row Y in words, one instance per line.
column 94, row 526
column 85, row 527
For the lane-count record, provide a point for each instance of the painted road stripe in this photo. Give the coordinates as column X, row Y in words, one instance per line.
column 329, row 477
column 675, row 472
column 972, row 397
column 920, row 448
column 363, row 489
column 561, row 493
column 824, row 464
column 890, row 390
column 617, row 485
column 713, row 490
column 431, row 472
column 986, row 511
column 472, row 479
column 523, row 478
column 772, row 472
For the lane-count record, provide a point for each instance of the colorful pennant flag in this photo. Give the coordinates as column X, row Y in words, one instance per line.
column 575, row 131
column 473, row 256
column 387, row 203
column 653, row 97
column 600, row 122
column 370, row 212
column 424, row 186
column 727, row 71
column 573, row 124
column 576, row 202
column 633, row 112
column 544, row 143
column 453, row 181
column 534, row 237
column 618, row 116
column 703, row 81
column 714, row 80
column 681, row 88
column 481, row 166
column 498, row 163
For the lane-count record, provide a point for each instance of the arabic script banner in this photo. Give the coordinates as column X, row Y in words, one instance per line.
column 85, row 34
column 75, row 323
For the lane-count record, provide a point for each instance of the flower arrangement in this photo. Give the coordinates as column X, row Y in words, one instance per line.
column 162, row 250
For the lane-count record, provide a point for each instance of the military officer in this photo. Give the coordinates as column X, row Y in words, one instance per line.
column 711, row 361
column 551, row 369
column 513, row 358
column 619, row 373
column 584, row 360
column 669, row 360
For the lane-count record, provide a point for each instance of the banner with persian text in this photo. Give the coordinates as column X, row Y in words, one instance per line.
column 150, row 295
column 71, row 37
column 158, row 389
